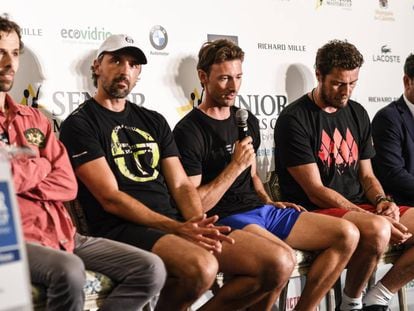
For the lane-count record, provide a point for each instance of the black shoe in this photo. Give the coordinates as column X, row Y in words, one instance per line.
column 338, row 309
column 376, row 308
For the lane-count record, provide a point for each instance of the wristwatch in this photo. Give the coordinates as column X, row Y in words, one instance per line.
column 382, row 198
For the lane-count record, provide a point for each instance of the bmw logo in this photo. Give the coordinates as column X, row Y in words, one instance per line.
column 158, row 37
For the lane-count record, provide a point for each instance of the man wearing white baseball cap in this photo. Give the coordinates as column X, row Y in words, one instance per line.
column 129, row 169
column 118, row 42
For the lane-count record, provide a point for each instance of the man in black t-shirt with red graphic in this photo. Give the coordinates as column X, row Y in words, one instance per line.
column 323, row 151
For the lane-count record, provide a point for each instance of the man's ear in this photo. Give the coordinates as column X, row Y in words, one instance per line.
column 406, row 81
column 96, row 64
column 318, row 75
column 202, row 75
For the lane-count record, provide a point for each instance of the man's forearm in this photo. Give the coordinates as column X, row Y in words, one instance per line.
column 328, row 198
column 188, row 201
column 29, row 172
column 212, row 192
column 260, row 190
column 372, row 189
column 126, row 207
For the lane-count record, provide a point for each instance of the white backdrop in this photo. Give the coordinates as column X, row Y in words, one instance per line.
column 280, row 38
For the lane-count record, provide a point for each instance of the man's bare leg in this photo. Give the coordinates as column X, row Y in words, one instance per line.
column 191, row 271
column 403, row 269
column 375, row 233
column 335, row 238
column 258, row 268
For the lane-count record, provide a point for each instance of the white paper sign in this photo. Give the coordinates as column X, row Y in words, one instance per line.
column 14, row 277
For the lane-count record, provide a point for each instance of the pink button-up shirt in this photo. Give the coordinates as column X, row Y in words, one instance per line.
column 43, row 182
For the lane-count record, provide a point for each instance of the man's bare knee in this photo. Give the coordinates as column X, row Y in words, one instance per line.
column 375, row 235
column 348, row 236
column 198, row 273
column 278, row 269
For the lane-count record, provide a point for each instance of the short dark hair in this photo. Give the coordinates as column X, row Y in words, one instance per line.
column 337, row 54
column 216, row 52
column 409, row 66
column 93, row 74
column 7, row 26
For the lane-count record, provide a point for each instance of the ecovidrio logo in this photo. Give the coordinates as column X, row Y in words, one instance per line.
column 93, row 33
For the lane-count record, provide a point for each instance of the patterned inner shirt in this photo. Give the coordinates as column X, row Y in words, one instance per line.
column 3, row 138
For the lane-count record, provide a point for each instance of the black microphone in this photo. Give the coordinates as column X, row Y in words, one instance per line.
column 199, row 101
column 241, row 118
column 35, row 98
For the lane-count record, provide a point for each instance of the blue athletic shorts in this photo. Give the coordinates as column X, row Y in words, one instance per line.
column 278, row 221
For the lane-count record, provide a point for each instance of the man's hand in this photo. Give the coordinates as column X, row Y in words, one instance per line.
column 399, row 232
column 389, row 209
column 17, row 152
column 297, row 207
column 202, row 231
column 243, row 153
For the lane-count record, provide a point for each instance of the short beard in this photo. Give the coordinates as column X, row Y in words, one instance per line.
column 115, row 92
column 6, row 87
column 326, row 100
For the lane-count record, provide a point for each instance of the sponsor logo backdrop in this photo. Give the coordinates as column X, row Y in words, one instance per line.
column 280, row 38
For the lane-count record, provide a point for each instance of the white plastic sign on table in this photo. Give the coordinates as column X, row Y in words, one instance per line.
column 14, row 277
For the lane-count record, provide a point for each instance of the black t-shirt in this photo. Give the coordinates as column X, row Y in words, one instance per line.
column 133, row 143
column 336, row 142
column 206, row 147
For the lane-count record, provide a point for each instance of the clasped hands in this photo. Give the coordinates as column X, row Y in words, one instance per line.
column 399, row 232
column 203, row 231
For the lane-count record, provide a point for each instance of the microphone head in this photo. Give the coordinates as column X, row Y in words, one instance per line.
column 241, row 117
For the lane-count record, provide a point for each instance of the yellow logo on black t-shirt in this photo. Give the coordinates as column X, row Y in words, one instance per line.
column 144, row 156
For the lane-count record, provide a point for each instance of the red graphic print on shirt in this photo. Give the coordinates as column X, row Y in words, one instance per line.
column 342, row 152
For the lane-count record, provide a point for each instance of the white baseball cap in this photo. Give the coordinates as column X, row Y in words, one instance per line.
column 121, row 41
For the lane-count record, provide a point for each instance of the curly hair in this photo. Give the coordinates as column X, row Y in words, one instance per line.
column 7, row 26
column 409, row 66
column 337, row 54
column 216, row 52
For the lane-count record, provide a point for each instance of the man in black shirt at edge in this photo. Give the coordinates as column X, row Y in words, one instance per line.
column 323, row 158
column 224, row 171
column 127, row 162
